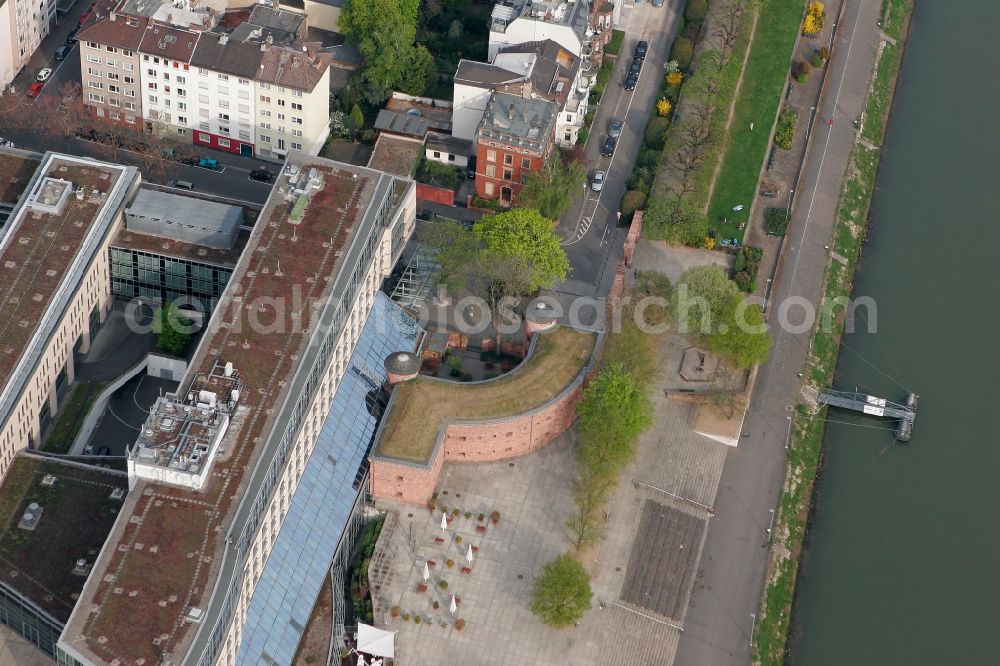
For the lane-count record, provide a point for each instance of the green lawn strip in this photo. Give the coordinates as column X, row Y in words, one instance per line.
column 759, row 97
column 877, row 105
column 74, row 411
column 614, row 45
column 900, row 9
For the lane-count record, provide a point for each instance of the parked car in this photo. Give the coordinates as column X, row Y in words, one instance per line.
column 641, row 48
column 71, row 37
column 4, row 142
column 104, row 451
column 181, row 184
column 209, row 163
column 630, row 81
column 63, row 51
column 35, row 89
column 261, row 175
column 636, row 66
column 597, row 181
column 44, row 75
column 424, row 214
column 615, row 127
column 608, row 148
column 657, row 3
column 470, row 169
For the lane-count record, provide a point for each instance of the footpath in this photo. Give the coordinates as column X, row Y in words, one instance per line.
column 719, row 623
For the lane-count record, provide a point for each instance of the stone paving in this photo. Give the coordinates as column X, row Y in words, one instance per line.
column 675, row 468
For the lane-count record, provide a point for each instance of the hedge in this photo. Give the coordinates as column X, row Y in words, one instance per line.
column 777, row 221
column 682, row 52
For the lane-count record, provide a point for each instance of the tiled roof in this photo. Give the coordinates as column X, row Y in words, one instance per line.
column 169, row 42
column 121, row 31
column 512, row 119
column 484, row 75
column 300, row 70
column 222, row 54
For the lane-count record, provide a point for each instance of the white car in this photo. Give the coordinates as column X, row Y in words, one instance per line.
column 44, row 75
column 597, row 181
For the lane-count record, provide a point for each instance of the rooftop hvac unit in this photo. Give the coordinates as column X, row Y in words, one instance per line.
column 228, row 371
column 49, row 480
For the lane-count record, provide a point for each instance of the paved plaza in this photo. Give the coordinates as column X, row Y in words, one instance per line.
column 676, row 474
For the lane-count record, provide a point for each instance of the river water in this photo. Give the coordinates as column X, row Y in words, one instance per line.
column 902, row 563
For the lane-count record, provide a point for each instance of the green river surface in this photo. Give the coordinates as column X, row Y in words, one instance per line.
column 902, row 562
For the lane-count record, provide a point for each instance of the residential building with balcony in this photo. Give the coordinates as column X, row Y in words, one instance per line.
column 110, row 67
column 517, row 21
column 166, row 77
column 515, row 137
column 292, row 99
column 23, row 26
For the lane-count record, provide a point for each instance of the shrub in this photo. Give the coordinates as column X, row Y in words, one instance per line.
column 458, row 538
column 582, row 136
column 481, row 517
column 824, row 53
column 631, row 202
column 436, row 605
column 450, row 563
column 394, row 611
column 656, row 133
column 418, row 619
column 663, row 107
column 641, row 180
column 459, row 624
column 816, row 60
column 406, row 617
column 777, row 221
column 682, row 52
column 648, row 158
column 495, row 517
column 800, row 71
column 489, row 204
column 443, row 585
column 589, row 118
column 696, row 10
column 675, row 78
column 468, row 515
column 785, row 130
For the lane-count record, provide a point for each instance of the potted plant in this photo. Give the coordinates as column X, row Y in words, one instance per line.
column 481, row 529
column 406, row 617
column 481, row 517
column 431, row 564
column 436, row 605
column 495, row 517
column 458, row 538
column 443, row 584
column 455, row 513
column 421, row 588
column 418, row 620
column 459, row 624
column 468, row 515
column 450, row 563
column 394, row 612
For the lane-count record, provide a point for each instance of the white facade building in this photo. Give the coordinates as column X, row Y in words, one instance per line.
column 23, row 26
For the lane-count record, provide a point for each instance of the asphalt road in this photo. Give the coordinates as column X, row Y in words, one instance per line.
column 593, row 240
column 718, row 625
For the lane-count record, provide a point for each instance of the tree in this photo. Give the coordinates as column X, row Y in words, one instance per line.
column 453, row 245
column 420, row 75
column 675, row 219
column 383, row 31
column 590, row 492
column 656, row 132
column 632, row 201
column 662, row 106
column 613, row 411
column 456, row 30
column 355, row 120
column 742, row 337
column 696, row 10
column 700, row 300
column 562, row 593
column 551, row 191
column 173, row 331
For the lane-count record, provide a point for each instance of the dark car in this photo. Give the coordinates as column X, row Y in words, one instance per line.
column 657, row 3
column 630, row 81
column 470, row 170
column 641, row 48
column 608, row 148
column 71, row 37
column 63, row 51
column 262, row 175
column 615, row 128
column 424, row 214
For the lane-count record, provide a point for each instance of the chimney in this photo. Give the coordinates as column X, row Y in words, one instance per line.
column 526, row 89
column 113, row 16
column 511, row 113
column 524, row 114
column 223, row 39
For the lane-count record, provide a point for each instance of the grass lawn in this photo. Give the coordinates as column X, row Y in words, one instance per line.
column 614, row 46
column 877, row 105
column 898, row 11
column 72, row 413
column 757, row 103
column 423, row 405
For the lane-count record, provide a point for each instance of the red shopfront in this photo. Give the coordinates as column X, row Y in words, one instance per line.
column 226, row 143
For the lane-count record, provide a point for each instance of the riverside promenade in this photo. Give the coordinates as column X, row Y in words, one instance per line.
column 730, row 579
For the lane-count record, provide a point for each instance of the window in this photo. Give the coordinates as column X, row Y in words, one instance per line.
column 202, row 71
column 130, row 93
column 129, row 80
column 130, row 106
column 93, row 45
column 223, row 143
column 153, row 99
column 151, row 73
column 223, row 116
column 203, row 126
column 508, row 174
column 265, row 99
column 113, row 76
column 223, row 104
column 223, row 129
column 281, row 116
column 204, row 137
column 93, row 72
column 491, row 156
column 128, row 67
column 281, row 144
column 203, row 99
column 181, row 106
column 508, row 159
column 525, row 163
column 223, row 90
column 182, row 120
column 223, row 77
column 96, row 85
column 451, row 158
column 437, row 154
column 296, row 146
column 115, row 115
column 245, row 135
column 127, row 53
column 296, row 106
column 166, row 76
column 145, row 58
column 244, row 82
column 265, row 126
column 281, row 102
column 202, row 85
column 181, row 92
column 296, row 121
column 111, row 63
column 491, row 171
column 166, row 89
column 109, row 49
column 113, row 102
column 180, row 79
column 97, row 98
column 264, row 86
column 152, row 86
column 94, row 59
column 296, row 93
column 489, row 189
column 296, row 132
column 114, row 89
column 243, row 94
column 524, row 178
column 265, row 138
column 166, row 103
column 265, row 113
column 244, row 108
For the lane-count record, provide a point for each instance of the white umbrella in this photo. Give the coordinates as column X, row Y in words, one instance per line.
column 468, row 555
column 361, row 660
column 427, row 572
column 444, row 521
column 453, row 607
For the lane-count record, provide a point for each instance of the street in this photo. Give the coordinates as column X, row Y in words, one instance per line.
column 592, row 239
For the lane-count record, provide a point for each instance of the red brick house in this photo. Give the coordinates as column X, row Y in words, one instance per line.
column 513, row 140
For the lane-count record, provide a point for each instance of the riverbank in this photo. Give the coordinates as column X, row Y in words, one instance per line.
column 805, row 445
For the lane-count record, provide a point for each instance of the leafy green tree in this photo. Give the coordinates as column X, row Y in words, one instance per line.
column 700, row 300
column 355, row 120
column 613, row 411
column 656, row 133
column 562, row 593
column 551, row 191
column 456, row 30
column 675, row 219
column 632, row 201
column 696, row 10
column 742, row 336
column 527, row 241
column 173, row 331
column 454, row 246
column 420, row 75
column 383, row 31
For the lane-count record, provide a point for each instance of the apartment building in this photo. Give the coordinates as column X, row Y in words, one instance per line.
column 23, row 26
column 242, row 513
column 254, row 88
column 110, row 65
column 515, row 137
